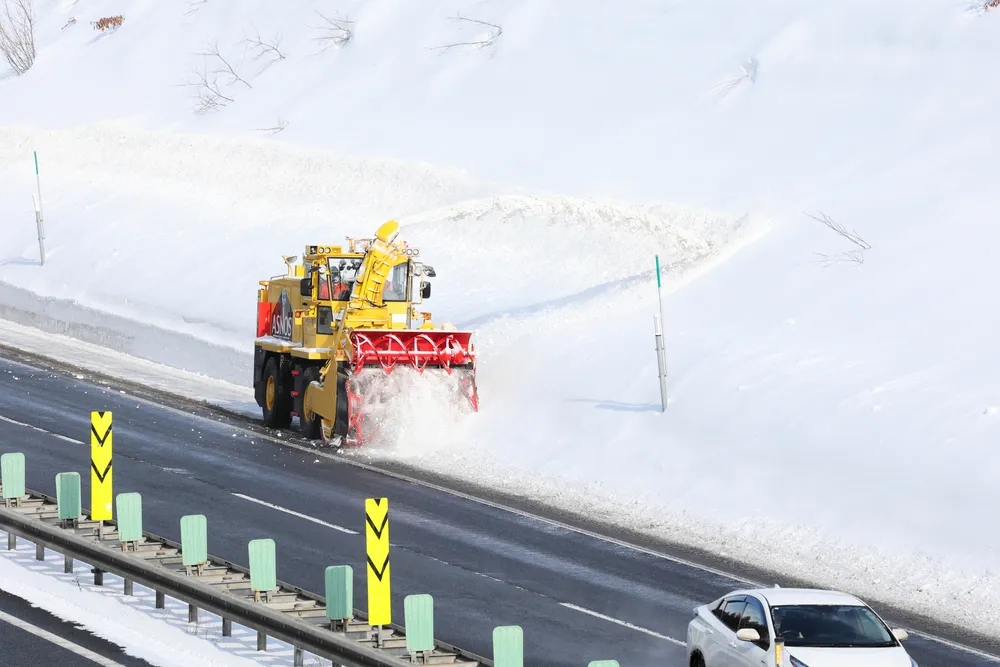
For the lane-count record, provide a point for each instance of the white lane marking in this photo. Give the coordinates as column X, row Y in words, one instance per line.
column 960, row 647
column 339, row 458
column 59, row 641
column 39, row 429
column 623, row 623
column 298, row 514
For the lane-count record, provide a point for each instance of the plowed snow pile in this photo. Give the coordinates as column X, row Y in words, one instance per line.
column 834, row 384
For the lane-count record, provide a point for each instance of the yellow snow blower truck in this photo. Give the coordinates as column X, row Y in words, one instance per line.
column 333, row 328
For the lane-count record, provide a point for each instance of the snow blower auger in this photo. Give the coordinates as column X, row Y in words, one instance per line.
column 332, row 330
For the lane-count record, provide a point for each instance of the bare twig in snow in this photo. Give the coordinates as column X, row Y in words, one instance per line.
column 228, row 69
column 193, row 6
column 209, row 95
column 108, row 23
column 17, row 34
column 493, row 33
column 981, row 6
column 337, row 32
column 271, row 49
column 749, row 74
column 282, row 124
column 856, row 255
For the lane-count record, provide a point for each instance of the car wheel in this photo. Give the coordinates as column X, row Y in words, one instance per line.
column 697, row 660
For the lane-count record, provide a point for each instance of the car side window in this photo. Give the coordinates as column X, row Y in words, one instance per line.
column 731, row 612
column 720, row 609
column 753, row 617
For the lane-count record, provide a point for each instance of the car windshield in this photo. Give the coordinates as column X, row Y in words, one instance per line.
column 829, row 625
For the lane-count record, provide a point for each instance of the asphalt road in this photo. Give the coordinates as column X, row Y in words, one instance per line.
column 578, row 598
column 30, row 645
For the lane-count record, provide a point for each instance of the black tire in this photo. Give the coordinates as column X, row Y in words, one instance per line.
column 697, row 660
column 310, row 426
column 277, row 409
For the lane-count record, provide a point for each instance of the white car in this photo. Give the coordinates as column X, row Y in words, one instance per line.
column 819, row 628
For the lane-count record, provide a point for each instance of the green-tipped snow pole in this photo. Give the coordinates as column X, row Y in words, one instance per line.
column 661, row 348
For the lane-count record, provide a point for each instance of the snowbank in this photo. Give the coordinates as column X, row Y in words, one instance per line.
column 835, row 397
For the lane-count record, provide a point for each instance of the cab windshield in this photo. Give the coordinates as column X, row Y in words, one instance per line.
column 830, row 626
column 342, row 273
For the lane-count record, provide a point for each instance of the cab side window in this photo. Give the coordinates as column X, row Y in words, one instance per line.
column 395, row 284
column 753, row 617
column 324, row 320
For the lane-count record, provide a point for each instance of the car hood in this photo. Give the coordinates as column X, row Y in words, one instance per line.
column 895, row 656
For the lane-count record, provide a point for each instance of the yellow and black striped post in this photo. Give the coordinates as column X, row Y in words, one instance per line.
column 377, row 548
column 101, row 496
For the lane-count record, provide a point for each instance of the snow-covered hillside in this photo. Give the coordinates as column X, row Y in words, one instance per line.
column 834, row 402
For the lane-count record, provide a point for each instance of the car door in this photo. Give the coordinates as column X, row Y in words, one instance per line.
column 718, row 652
column 751, row 654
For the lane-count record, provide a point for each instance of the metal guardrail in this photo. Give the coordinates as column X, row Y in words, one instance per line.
column 289, row 614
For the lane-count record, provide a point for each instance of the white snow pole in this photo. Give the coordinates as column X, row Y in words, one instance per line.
column 661, row 348
column 39, row 220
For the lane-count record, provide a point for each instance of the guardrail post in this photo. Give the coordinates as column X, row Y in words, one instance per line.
column 12, row 478
column 339, row 596
column 227, row 627
column 297, row 657
column 101, row 472
column 418, row 617
column 194, row 542
column 98, row 576
column 508, row 646
column 11, row 541
column 192, row 613
column 161, row 600
column 263, row 576
column 69, row 499
column 129, row 506
column 39, row 552
column 263, row 568
column 68, row 564
column 379, row 570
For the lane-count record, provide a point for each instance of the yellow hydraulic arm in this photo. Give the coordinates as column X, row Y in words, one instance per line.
column 365, row 308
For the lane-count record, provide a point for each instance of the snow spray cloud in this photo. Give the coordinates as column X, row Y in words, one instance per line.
column 412, row 415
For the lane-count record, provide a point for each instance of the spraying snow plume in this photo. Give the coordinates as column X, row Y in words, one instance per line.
column 408, row 414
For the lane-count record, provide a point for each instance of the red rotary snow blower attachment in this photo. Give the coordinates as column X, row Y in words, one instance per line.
column 447, row 356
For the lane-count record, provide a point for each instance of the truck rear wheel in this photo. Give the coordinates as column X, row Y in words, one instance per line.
column 277, row 407
column 310, row 424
